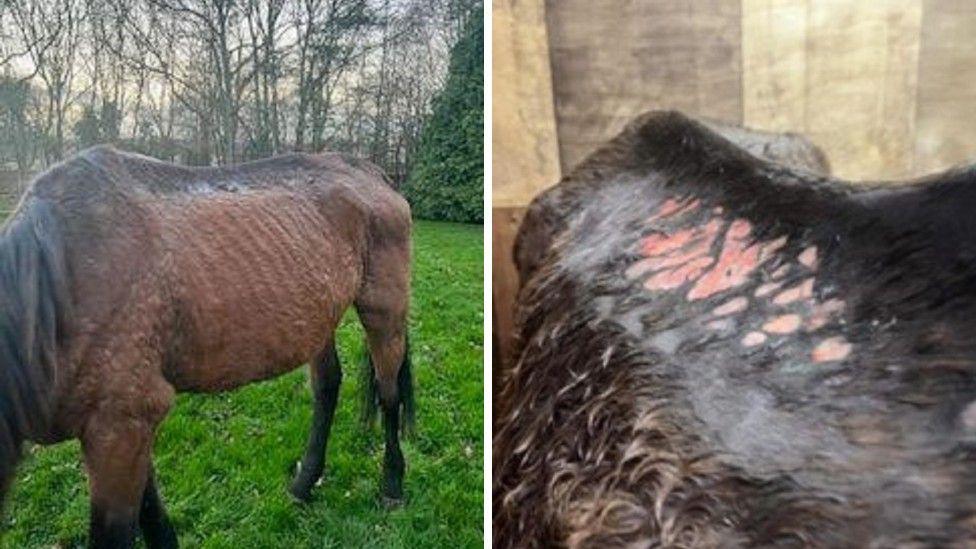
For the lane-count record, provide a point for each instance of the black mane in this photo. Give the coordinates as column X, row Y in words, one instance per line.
column 34, row 304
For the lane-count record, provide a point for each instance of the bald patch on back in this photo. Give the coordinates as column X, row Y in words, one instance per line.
column 695, row 249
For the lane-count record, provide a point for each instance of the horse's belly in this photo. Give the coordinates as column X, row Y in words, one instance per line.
column 227, row 356
column 258, row 292
column 234, row 337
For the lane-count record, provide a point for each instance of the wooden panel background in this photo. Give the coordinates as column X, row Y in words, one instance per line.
column 613, row 59
column 885, row 88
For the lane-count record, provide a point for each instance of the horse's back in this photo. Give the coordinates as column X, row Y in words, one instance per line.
column 718, row 348
column 102, row 172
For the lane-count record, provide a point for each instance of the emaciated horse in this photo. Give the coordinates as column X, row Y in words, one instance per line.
column 716, row 350
column 124, row 280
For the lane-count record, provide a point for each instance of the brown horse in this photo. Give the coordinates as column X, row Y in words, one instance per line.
column 124, row 280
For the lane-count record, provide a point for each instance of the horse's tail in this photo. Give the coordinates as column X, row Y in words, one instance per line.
column 371, row 392
column 34, row 303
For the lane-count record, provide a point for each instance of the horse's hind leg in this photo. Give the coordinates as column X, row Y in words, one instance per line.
column 326, row 374
column 383, row 312
column 156, row 528
column 387, row 350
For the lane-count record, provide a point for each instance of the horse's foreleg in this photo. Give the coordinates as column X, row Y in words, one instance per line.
column 156, row 528
column 117, row 457
column 326, row 374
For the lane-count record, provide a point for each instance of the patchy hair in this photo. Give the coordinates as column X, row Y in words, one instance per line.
column 624, row 422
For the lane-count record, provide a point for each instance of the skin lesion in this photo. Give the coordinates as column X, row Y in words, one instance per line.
column 737, row 260
column 801, row 292
column 685, row 256
column 735, row 305
column 831, row 349
column 808, row 257
column 752, row 339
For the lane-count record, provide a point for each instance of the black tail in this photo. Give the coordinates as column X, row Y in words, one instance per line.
column 371, row 393
column 33, row 307
column 405, row 390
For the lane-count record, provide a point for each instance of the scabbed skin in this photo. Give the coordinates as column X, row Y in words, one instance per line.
column 717, row 350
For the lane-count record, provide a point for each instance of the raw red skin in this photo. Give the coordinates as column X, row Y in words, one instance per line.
column 737, row 261
column 803, row 290
column 831, row 349
column 677, row 257
column 736, row 305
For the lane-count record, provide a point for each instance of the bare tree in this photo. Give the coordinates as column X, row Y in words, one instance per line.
column 50, row 34
column 216, row 81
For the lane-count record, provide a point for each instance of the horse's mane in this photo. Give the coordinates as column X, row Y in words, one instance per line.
column 34, row 304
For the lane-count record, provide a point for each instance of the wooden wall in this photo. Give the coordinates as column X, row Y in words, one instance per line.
column 885, row 88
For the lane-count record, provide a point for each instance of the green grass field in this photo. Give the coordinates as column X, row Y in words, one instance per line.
column 224, row 461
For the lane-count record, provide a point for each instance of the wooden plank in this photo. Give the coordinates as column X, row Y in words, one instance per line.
column 946, row 117
column 524, row 150
column 615, row 59
column 862, row 62
column 504, row 278
column 843, row 73
column 774, row 37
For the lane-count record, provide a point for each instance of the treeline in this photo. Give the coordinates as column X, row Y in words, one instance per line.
column 217, row 81
column 447, row 181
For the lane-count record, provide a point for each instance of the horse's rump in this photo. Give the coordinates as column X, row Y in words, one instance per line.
column 716, row 349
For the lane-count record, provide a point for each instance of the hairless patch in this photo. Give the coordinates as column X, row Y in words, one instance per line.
column 675, row 278
column 803, row 290
column 780, row 272
column 736, row 262
column 753, row 338
column 672, row 207
column 679, row 255
column 681, row 247
column 771, row 247
column 678, row 258
column 661, row 243
column 831, row 349
column 823, row 313
column 735, row 305
column 767, row 288
column 783, row 324
column 808, row 257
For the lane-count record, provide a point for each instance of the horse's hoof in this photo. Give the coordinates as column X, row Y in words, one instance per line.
column 300, row 497
column 392, row 502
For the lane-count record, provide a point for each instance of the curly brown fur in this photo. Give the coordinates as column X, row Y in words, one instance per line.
column 589, row 453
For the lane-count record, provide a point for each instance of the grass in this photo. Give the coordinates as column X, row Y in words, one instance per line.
column 224, row 461
column 6, row 205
